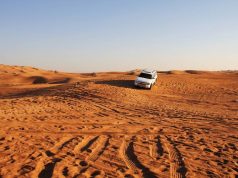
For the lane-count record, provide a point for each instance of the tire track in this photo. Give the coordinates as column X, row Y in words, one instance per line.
column 123, row 153
column 84, row 144
column 156, row 150
column 45, row 166
column 177, row 166
column 47, row 171
column 59, row 146
column 127, row 154
column 101, row 145
column 67, row 166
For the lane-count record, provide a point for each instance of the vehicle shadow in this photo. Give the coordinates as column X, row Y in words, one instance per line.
column 118, row 83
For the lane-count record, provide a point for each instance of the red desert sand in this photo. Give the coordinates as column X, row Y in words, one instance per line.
column 55, row 124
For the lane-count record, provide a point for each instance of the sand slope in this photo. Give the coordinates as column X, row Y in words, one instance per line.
column 99, row 125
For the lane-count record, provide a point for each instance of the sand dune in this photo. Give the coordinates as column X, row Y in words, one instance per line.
column 55, row 124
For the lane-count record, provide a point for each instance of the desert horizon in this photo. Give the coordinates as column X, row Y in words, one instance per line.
column 118, row 89
column 56, row 124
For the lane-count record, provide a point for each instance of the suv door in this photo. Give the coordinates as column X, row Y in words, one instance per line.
column 156, row 77
column 153, row 78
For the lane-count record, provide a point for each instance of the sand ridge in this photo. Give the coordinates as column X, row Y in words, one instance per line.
column 100, row 125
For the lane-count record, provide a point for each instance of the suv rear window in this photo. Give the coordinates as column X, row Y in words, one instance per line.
column 143, row 75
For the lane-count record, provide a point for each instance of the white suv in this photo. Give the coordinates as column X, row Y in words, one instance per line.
column 146, row 79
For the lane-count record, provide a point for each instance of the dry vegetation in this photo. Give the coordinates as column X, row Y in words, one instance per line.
column 55, row 124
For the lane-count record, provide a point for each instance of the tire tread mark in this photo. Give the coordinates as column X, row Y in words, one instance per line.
column 101, row 145
column 123, row 153
column 43, row 166
column 153, row 151
column 177, row 167
column 84, row 144
column 63, row 142
column 132, row 162
column 155, row 148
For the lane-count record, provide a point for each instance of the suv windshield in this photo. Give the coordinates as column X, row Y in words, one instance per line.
column 143, row 75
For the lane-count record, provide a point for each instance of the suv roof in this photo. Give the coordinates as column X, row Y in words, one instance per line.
column 148, row 71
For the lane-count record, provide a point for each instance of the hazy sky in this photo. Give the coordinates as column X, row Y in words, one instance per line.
column 109, row 35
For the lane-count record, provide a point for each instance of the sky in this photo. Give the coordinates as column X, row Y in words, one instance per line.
column 119, row 35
